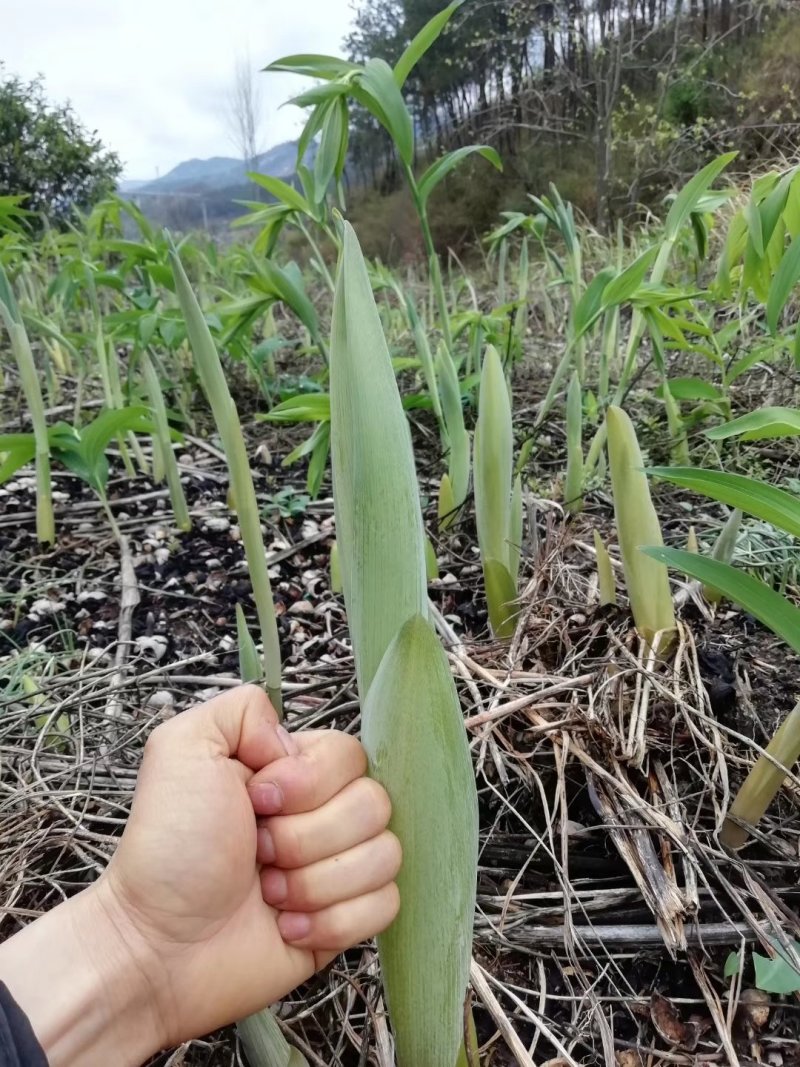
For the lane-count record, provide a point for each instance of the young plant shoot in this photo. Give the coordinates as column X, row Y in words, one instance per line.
column 412, row 727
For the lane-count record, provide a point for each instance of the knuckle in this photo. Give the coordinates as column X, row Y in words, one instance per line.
column 337, row 927
column 394, row 851
column 289, row 845
column 254, row 697
column 376, row 800
column 391, row 904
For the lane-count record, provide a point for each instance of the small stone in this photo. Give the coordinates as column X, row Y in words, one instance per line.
column 161, row 698
column 161, row 555
column 213, row 564
column 217, row 524
column 155, row 646
column 302, row 607
column 90, row 594
column 45, row 606
column 226, row 643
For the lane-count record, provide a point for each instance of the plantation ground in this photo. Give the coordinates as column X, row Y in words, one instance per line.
column 606, row 910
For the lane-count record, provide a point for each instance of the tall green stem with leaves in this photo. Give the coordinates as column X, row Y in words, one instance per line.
column 412, row 727
column 226, row 417
column 29, row 379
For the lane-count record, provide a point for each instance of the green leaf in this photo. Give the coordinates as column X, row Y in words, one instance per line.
column 687, row 199
column 733, row 965
column 422, row 42
column 280, row 284
column 287, row 194
column 637, row 524
column 493, row 460
column 226, row 418
column 414, row 736
column 622, row 288
column 305, row 407
column 264, row 1043
column 250, row 666
column 447, row 509
column 314, row 66
column 378, row 517
column 769, row 607
column 754, row 229
column 439, row 170
column 15, row 454
column 101, row 431
column 777, row 975
column 759, row 425
column 784, row 281
column 380, row 93
column 501, row 598
column 7, row 297
column 691, row 389
column 590, row 306
column 431, row 563
column 334, row 129
column 457, row 436
column 754, row 497
column 319, row 458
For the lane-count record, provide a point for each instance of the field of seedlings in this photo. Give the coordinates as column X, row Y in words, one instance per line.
column 524, row 523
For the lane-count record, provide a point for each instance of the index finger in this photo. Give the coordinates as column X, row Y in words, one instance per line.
column 327, row 761
column 239, row 723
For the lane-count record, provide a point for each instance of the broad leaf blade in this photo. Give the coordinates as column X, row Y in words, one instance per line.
column 687, row 199
column 493, row 461
column 314, row 66
column 769, row 607
column 378, row 85
column 637, row 524
column 417, row 746
column 501, row 598
column 378, row 517
column 439, row 170
column 760, row 424
column 784, row 281
column 422, row 42
column 754, row 497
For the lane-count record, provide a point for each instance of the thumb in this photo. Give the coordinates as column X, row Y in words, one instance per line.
column 240, row 723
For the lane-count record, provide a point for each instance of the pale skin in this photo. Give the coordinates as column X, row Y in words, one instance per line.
column 250, row 860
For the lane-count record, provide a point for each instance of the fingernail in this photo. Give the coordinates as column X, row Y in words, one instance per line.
column 289, row 743
column 274, row 887
column 294, row 926
column 265, row 846
column 267, row 798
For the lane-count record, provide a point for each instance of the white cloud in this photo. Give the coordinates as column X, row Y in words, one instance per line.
column 152, row 76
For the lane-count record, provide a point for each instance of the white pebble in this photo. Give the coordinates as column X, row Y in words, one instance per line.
column 156, row 645
column 217, row 524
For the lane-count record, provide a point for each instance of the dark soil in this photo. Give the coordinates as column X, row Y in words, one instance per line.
column 586, row 955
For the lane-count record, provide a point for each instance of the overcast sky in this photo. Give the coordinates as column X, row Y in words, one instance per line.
column 152, row 76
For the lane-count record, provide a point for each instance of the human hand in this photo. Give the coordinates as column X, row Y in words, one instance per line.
column 250, row 859
column 187, row 875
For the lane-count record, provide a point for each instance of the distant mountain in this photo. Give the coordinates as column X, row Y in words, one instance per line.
column 204, row 192
column 219, row 172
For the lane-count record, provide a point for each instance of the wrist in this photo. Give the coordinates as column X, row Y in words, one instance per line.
column 86, row 984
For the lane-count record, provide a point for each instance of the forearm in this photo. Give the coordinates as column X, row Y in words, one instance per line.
column 83, row 990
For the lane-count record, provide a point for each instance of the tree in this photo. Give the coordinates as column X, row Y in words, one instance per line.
column 47, row 155
column 244, row 112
